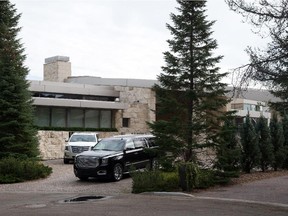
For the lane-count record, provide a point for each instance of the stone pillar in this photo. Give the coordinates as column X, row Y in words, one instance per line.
column 57, row 68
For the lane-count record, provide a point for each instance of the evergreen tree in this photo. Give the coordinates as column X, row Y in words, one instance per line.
column 277, row 136
column 265, row 144
column 190, row 95
column 285, row 131
column 228, row 150
column 17, row 135
column 250, row 146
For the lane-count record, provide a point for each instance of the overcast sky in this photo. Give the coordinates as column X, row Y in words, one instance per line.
column 118, row 38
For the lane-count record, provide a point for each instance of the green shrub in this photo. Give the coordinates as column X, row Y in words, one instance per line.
column 188, row 175
column 206, row 179
column 192, row 177
column 14, row 170
column 155, row 180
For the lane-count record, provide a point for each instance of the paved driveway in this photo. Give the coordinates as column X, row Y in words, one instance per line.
column 53, row 196
column 63, row 180
column 273, row 190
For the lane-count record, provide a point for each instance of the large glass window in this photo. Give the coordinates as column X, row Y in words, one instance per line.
column 72, row 117
column 247, row 107
column 76, row 118
column 237, row 106
column 105, row 118
column 42, row 116
column 58, row 117
column 92, row 119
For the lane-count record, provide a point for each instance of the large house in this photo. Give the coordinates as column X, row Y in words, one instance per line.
column 126, row 105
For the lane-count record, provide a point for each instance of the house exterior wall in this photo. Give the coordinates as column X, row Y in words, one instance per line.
column 243, row 111
column 140, row 105
column 137, row 102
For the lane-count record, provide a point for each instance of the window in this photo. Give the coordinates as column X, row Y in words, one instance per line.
column 72, row 117
column 139, row 143
column 42, row 117
column 58, row 117
column 92, row 118
column 76, row 118
column 125, row 122
column 247, row 107
column 105, row 119
column 72, row 96
column 130, row 145
column 237, row 106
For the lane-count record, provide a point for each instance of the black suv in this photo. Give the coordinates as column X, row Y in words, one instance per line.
column 114, row 156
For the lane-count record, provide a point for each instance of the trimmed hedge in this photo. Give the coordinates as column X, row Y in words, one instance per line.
column 148, row 181
column 77, row 129
column 192, row 177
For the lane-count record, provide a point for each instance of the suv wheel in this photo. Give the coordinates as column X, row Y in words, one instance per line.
column 66, row 161
column 117, row 172
column 83, row 178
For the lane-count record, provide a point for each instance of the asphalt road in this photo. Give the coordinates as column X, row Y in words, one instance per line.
column 60, row 194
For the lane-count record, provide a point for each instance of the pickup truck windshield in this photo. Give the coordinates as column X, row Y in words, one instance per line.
column 110, row 145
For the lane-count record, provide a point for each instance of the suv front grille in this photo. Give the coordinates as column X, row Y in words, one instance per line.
column 87, row 162
column 79, row 149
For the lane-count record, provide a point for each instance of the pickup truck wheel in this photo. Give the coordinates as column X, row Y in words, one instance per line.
column 117, row 173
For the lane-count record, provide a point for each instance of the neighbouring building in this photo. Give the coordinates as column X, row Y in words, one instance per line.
column 62, row 100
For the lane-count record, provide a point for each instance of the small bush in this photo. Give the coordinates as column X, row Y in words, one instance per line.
column 192, row 177
column 188, row 175
column 154, row 181
column 14, row 170
column 206, row 179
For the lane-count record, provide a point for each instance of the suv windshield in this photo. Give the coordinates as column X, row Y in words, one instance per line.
column 82, row 138
column 110, row 145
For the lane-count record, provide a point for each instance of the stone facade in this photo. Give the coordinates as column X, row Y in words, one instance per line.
column 52, row 143
column 57, row 69
column 141, row 105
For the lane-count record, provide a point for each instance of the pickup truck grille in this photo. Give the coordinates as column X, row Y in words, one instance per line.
column 79, row 149
column 87, row 162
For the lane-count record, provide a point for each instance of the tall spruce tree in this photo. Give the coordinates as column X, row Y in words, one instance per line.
column 17, row 135
column 277, row 137
column 265, row 144
column 190, row 95
column 250, row 146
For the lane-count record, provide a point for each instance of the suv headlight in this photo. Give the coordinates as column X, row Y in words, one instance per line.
column 104, row 161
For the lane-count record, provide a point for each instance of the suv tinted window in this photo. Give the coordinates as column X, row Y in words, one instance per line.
column 129, row 144
column 151, row 141
column 140, row 143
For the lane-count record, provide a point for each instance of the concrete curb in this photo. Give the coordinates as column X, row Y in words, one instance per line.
column 215, row 198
